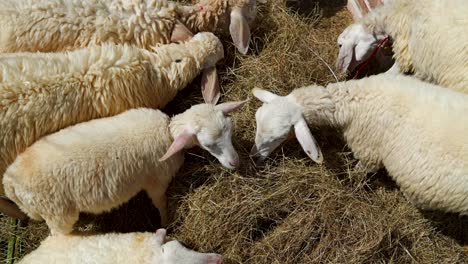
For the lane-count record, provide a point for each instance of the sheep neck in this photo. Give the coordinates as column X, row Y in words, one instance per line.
column 322, row 106
column 177, row 127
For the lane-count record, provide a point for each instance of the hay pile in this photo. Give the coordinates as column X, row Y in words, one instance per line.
column 291, row 210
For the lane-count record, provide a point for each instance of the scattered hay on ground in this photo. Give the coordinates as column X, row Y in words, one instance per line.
column 291, row 210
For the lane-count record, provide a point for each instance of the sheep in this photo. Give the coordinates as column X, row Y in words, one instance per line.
column 98, row 165
column 58, row 25
column 416, row 130
column 42, row 93
column 429, row 38
column 114, row 248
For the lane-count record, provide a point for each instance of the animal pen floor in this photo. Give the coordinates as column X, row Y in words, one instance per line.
column 292, row 210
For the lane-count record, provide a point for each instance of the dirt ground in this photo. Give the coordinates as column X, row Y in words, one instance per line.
column 291, row 210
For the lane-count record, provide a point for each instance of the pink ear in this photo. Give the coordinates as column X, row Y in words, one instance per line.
column 179, row 143
column 240, row 31
column 229, row 107
column 307, row 141
column 210, row 86
column 180, row 32
column 214, row 259
column 161, row 235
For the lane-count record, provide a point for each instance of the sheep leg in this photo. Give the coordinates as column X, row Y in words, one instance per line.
column 158, row 196
column 61, row 224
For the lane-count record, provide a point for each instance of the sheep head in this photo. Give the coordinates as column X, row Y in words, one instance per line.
column 356, row 45
column 276, row 120
column 209, row 127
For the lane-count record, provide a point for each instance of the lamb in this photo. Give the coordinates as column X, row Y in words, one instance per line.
column 58, row 25
column 429, row 39
column 416, row 130
column 113, row 248
column 43, row 93
column 98, row 165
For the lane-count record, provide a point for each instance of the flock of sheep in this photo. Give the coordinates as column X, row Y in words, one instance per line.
column 81, row 82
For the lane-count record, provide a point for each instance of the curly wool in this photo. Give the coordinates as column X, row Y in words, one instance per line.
column 58, row 25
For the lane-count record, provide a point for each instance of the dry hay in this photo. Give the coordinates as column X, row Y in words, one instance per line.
column 291, row 210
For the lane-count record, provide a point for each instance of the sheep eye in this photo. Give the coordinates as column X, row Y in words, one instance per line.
column 339, row 45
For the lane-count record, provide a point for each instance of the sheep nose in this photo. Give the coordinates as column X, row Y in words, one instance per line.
column 234, row 163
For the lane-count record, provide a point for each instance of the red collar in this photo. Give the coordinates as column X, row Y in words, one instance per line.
column 381, row 44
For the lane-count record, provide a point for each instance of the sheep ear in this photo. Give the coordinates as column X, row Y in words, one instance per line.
column 210, row 86
column 307, row 141
column 179, row 143
column 161, row 236
column 344, row 57
column 180, row 32
column 264, row 95
column 230, row 107
column 240, row 31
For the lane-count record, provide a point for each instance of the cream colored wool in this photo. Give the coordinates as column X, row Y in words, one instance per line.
column 42, row 93
column 58, row 25
column 430, row 38
column 416, row 130
column 98, row 165
column 113, row 248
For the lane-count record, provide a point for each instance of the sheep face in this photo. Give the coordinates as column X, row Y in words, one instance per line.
column 209, row 127
column 173, row 252
column 356, row 45
column 276, row 119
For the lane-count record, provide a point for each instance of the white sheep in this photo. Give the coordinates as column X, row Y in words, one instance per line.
column 44, row 92
column 429, row 39
column 114, row 248
column 58, row 25
column 98, row 165
column 416, row 130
